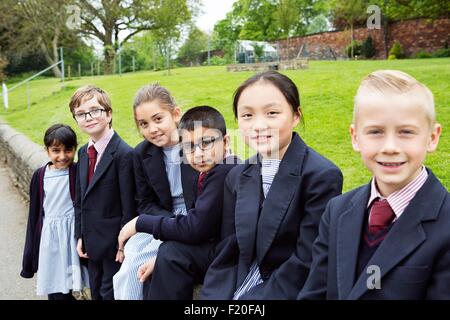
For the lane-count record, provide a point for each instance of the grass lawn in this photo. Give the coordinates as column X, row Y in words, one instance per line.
column 326, row 88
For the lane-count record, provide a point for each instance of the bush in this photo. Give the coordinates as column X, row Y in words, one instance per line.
column 423, row 55
column 367, row 48
column 215, row 61
column 392, row 57
column 442, row 53
column 3, row 64
column 356, row 49
column 397, row 50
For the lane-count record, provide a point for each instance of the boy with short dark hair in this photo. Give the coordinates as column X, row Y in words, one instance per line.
column 189, row 240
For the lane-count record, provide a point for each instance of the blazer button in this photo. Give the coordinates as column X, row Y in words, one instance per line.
column 265, row 275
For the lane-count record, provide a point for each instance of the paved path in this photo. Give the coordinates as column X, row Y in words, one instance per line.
column 13, row 220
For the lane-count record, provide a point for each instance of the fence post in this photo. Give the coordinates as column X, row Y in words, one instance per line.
column 98, row 68
column 68, row 70
column 120, row 62
column 28, row 96
column 61, row 53
column 92, row 69
column 79, row 70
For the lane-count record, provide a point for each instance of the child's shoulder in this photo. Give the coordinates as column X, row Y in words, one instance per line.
column 318, row 161
column 343, row 202
column 145, row 147
column 229, row 163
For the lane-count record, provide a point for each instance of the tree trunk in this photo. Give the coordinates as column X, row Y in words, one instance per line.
column 110, row 51
column 52, row 59
column 352, row 35
column 385, row 31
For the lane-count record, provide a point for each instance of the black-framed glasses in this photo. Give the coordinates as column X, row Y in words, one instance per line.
column 205, row 144
column 93, row 114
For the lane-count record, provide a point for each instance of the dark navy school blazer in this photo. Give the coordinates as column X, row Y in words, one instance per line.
column 153, row 196
column 414, row 258
column 36, row 215
column 103, row 207
column 202, row 222
column 279, row 231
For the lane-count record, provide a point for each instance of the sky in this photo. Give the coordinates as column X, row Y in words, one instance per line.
column 214, row 10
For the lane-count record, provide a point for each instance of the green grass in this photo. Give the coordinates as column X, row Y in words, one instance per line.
column 327, row 89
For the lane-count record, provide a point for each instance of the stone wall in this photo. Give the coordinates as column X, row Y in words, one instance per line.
column 414, row 35
column 21, row 155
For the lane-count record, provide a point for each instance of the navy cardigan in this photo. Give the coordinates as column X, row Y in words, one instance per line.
column 35, row 219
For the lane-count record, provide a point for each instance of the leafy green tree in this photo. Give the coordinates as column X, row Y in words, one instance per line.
column 318, row 24
column 196, row 42
column 349, row 13
column 3, row 64
column 106, row 20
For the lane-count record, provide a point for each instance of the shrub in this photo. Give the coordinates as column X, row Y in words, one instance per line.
column 442, row 53
column 356, row 49
column 392, row 57
column 367, row 48
column 215, row 61
column 397, row 50
column 423, row 55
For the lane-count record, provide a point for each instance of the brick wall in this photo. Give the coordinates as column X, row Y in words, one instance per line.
column 414, row 35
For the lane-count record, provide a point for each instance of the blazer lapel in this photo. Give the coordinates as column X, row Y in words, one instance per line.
column 105, row 161
column 284, row 186
column 406, row 234
column 247, row 211
column 349, row 229
column 83, row 165
column 155, row 168
column 189, row 179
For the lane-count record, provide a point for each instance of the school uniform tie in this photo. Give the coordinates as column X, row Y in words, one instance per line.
column 381, row 216
column 201, row 181
column 92, row 154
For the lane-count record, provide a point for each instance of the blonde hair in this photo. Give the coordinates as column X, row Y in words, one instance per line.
column 396, row 82
column 88, row 92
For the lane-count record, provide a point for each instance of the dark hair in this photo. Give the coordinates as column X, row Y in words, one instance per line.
column 60, row 134
column 286, row 86
column 206, row 115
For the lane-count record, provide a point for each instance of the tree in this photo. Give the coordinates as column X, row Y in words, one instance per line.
column 169, row 27
column 3, row 64
column 196, row 42
column 36, row 25
column 106, row 20
column 348, row 13
column 318, row 24
column 287, row 16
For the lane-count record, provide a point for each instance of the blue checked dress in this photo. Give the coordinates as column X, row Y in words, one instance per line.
column 142, row 246
column 59, row 268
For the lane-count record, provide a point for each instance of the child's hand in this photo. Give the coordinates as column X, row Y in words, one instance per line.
column 80, row 249
column 120, row 256
column 146, row 269
column 127, row 232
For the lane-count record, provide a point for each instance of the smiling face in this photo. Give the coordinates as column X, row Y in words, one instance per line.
column 204, row 147
column 60, row 156
column 393, row 135
column 95, row 127
column 157, row 123
column 266, row 119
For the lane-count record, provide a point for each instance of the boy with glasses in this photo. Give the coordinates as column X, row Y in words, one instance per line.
column 189, row 241
column 104, row 189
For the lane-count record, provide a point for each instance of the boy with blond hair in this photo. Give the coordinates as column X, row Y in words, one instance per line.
column 388, row 239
